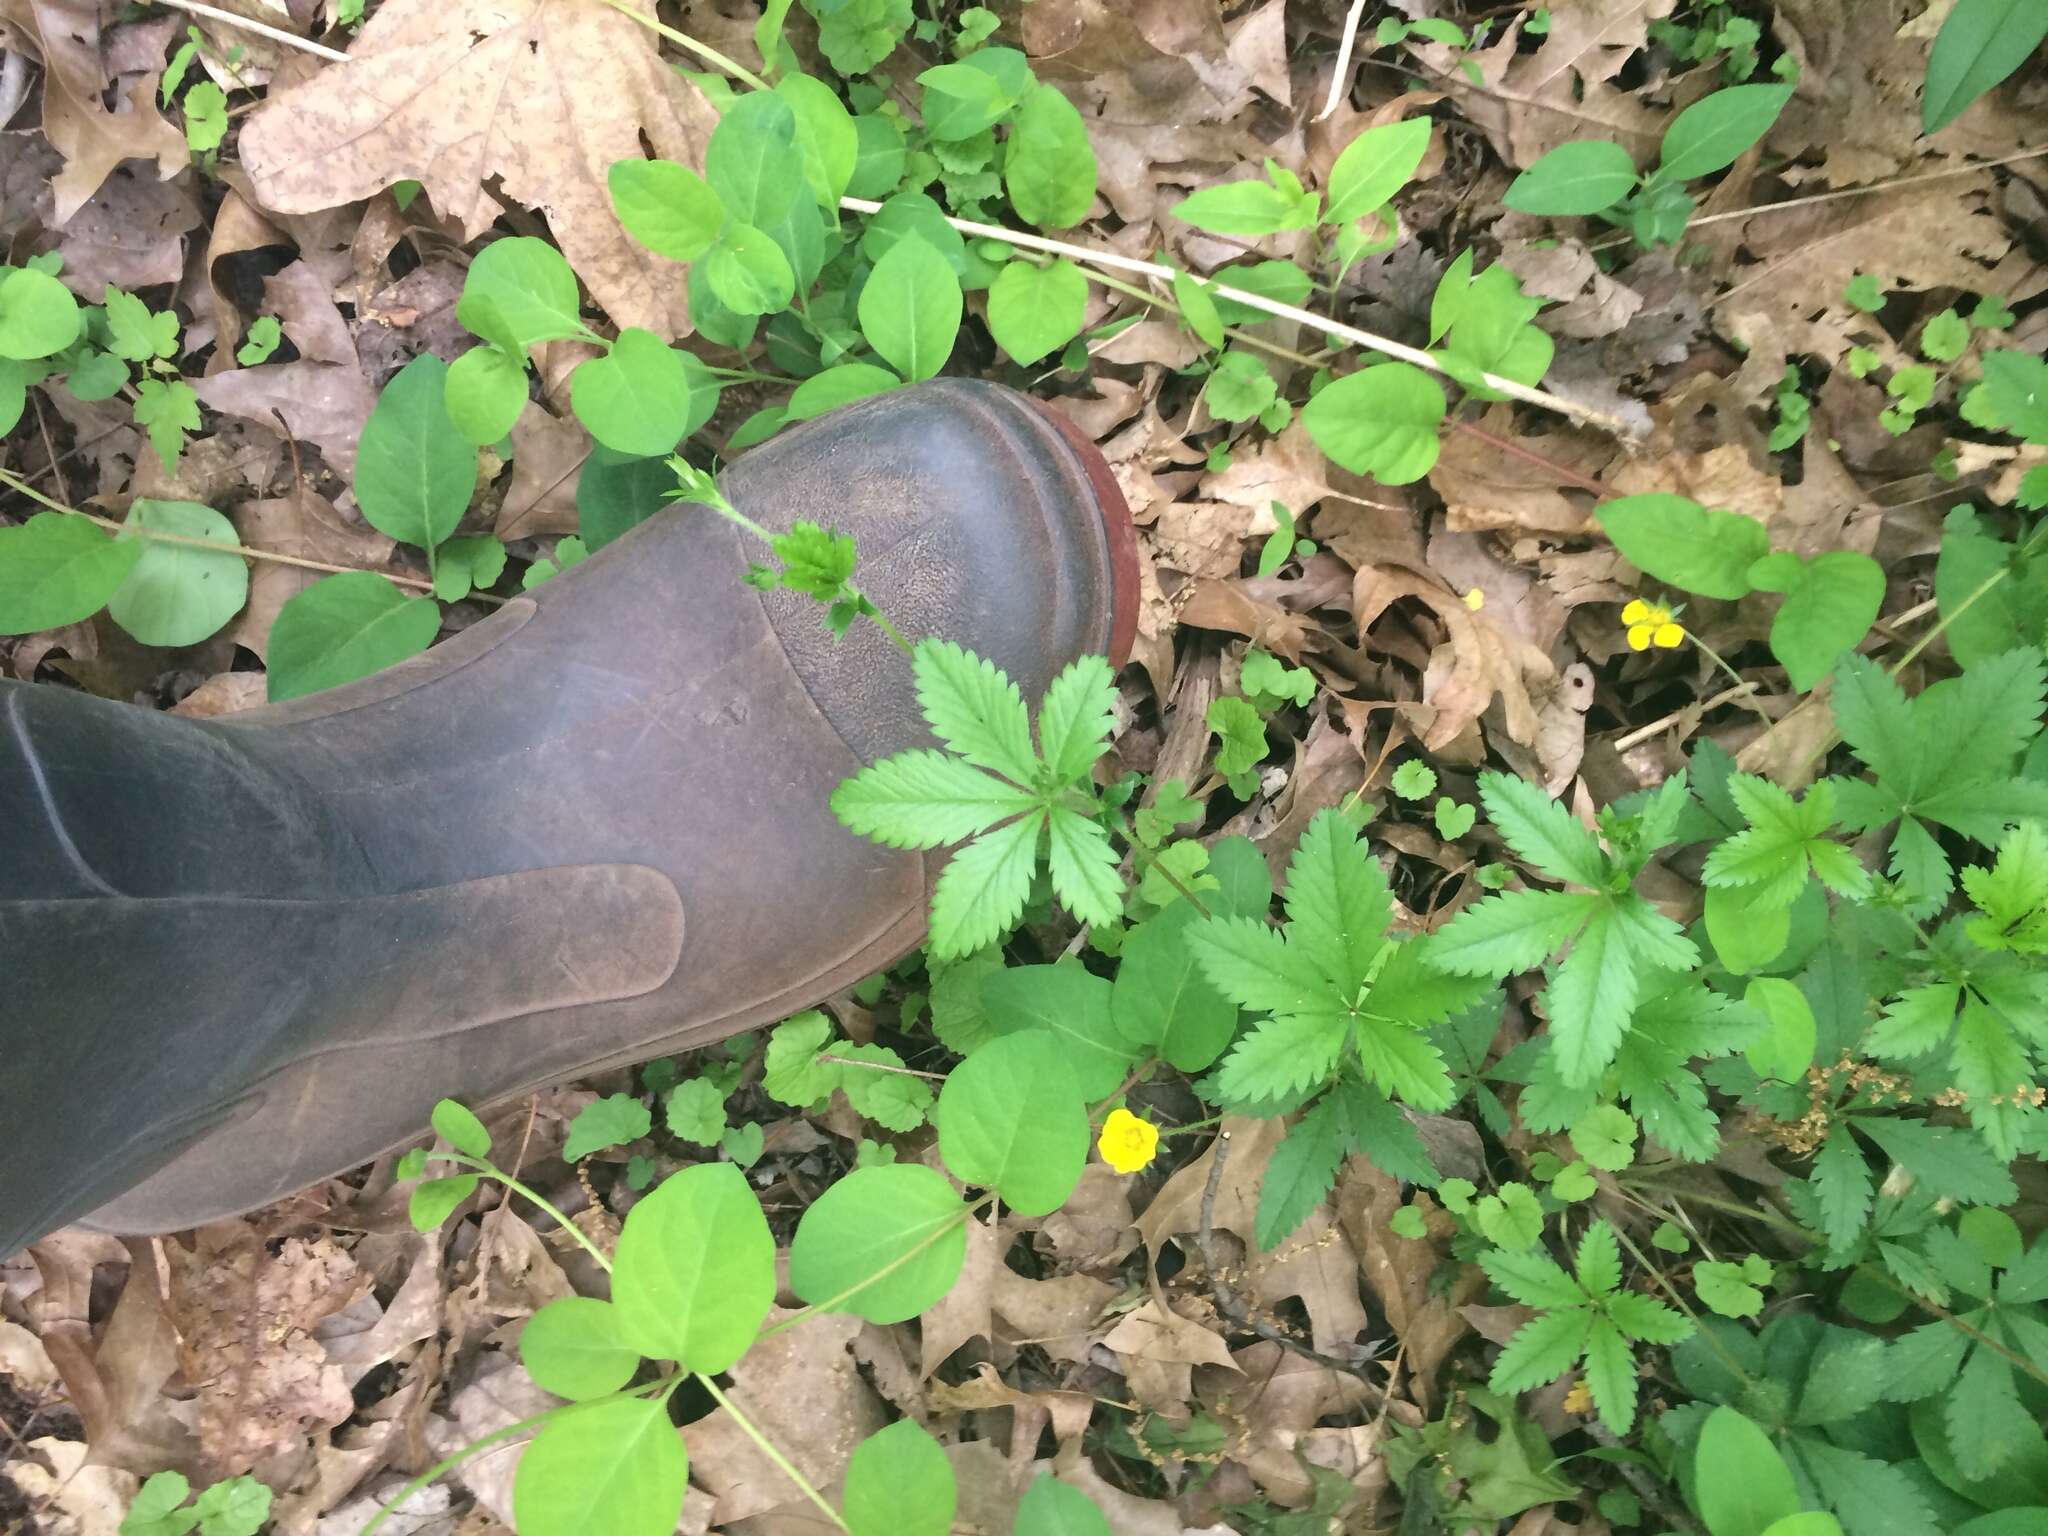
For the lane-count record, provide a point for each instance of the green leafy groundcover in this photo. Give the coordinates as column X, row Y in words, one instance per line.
column 1754, row 1062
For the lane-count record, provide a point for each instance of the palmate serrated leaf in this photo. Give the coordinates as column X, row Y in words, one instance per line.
column 1282, row 1056
column 924, row 799
column 1648, row 1320
column 981, row 893
column 1300, row 1173
column 1515, row 931
column 1986, row 1421
column 1590, row 997
column 1409, row 990
column 1402, row 1063
column 1253, row 966
column 1377, row 1130
column 1611, row 1376
column 1975, row 724
column 1531, row 1277
column 974, row 709
column 1870, row 1497
column 1943, row 1158
column 1842, row 1186
column 1598, row 1262
column 1876, row 720
column 1542, row 831
column 1337, row 902
column 1074, row 718
column 1083, row 867
column 1542, row 1350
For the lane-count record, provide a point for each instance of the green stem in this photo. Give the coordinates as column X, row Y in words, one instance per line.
column 1943, row 621
column 547, row 1207
column 761, row 1444
column 703, row 51
column 1679, row 1301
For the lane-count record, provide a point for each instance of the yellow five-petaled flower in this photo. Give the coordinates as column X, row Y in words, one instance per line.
column 1651, row 624
column 1127, row 1143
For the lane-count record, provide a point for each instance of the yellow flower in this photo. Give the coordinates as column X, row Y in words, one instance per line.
column 1475, row 599
column 1578, row 1399
column 1650, row 624
column 1127, row 1143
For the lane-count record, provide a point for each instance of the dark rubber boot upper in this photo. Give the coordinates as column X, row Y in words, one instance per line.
column 246, row 953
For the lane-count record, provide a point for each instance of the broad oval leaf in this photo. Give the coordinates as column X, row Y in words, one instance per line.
column 414, row 472
column 1708, row 135
column 1048, row 163
column 636, row 398
column 835, row 387
column 1074, row 1006
column 962, row 99
column 1980, row 43
column 58, row 569
column 1244, row 208
column 344, row 627
column 175, row 594
column 38, row 315
column 899, row 1483
column 824, row 133
column 614, row 1468
column 1374, row 166
column 748, row 271
column 520, row 291
column 1584, row 177
column 910, row 309
column 1743, row 1483
column 1380, row 421
column 695, row 1269
column 485, row 393
column 1829, row 607
column 1011, row 1117
column 615, row 493
column 753, row 162
column 1785, row 1049
column 572, row 1348
column 883, row 1243
column 456, row 1123
column 879, row 157
column 668, row 208
column 1675, row 540
column 1034, row 310
column 1051, row 1508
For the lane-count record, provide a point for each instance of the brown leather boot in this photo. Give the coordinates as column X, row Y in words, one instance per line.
column 244, row 954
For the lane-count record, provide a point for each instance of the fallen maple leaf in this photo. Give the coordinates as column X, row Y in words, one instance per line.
column 542, row 95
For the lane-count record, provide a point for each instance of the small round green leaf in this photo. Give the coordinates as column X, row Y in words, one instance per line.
column 1708, row 135
column 1605, row 1136
column 1380, row 421
column 614, row 1468
column 57, row 569
column 485, row 393
column 910, row 309
column 414, row 471
column 344, row 627
column 520, row 291
column 1829, row 607
column 433, row 1199
column 835, row 387
column 899, row 1483
column 1051, row 1508
column 1674, row 539
column 748, row 272
column 1048, row 164
column 1785, row 1049
column 1374, row 166
column 38, row 315
column 668, row 208
column 571, row 1347
column 1586, row 176
column 457, row 1124
column 175, row 594
column 695, row 1269
column 883, row 1243
column 1035, row 310
column 1011, row 1117
column 636, row 398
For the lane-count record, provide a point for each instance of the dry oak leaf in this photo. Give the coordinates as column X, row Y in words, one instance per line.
column 543, row 94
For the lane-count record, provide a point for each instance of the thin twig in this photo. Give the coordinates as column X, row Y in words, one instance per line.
column 881, row 1066
column 1232, row 1307
column 275, row 34
column 22, row 487
column 1340, row 77
column 1871, row 190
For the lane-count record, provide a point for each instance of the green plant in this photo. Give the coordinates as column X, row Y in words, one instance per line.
column 236, row 1506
